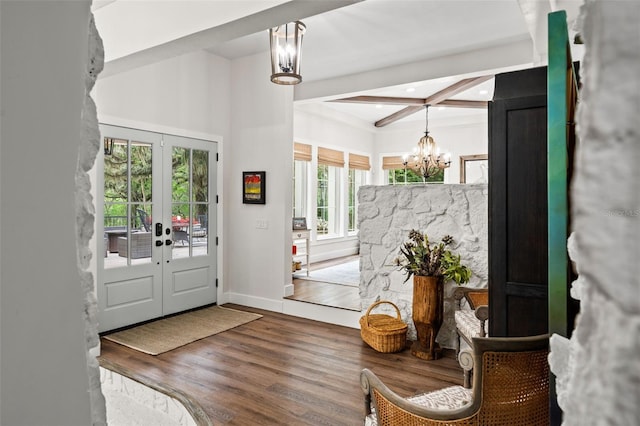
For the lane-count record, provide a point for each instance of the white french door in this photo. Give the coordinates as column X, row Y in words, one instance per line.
column 189, row 271
column 158, row 223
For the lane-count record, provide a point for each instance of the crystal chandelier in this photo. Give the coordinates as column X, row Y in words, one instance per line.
column 426, row 159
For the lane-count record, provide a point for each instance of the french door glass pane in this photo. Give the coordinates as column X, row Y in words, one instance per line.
column 127, row 204
column 200, row 161
column 190, row 202
column 141, row 172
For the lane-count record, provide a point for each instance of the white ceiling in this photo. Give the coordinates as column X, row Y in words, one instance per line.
column 344, row 39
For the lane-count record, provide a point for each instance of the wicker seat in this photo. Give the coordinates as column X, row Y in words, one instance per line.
column 140, row 245
column 510, row 387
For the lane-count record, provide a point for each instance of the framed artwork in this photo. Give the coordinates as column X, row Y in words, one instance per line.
column 474, row 168
column 299, row 223
column 253, row 187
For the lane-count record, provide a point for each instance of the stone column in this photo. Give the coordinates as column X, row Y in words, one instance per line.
column 598, row 369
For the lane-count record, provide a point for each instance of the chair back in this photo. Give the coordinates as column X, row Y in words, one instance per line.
column 204, row 221
column 511, row 378
column 144, row 219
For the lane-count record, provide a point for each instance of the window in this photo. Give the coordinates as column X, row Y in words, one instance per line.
column 398, row 174
column 300, row 170
column 330, row 164
column 327, row 200
column 358, row 167
column 356, row 180
column 336, row 193
column 301, row 163
column 402, row 176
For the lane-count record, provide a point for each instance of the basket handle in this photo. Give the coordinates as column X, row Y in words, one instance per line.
column 379, row 302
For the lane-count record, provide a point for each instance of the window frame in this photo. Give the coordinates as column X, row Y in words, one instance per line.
column 334, row 194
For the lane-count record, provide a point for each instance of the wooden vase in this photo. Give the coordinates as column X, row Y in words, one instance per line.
column 428, row 297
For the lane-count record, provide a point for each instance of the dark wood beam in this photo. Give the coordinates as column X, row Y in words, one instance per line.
column 383, row 100
column 458, row 103
column 456, row 88
column 398, row 115
column 394, row 100
column 435, row 99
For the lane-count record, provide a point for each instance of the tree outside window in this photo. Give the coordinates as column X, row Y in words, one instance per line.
column 127, row 183
column 408, row 176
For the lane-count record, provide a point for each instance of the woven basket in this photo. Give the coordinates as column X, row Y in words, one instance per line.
column 383, row 333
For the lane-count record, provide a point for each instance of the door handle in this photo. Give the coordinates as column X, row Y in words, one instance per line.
column 159, row 243
column 168, row 242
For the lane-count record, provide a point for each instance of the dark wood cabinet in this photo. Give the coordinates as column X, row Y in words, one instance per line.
column 518, row 204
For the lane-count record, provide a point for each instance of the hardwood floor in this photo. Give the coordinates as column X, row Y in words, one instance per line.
column 327, row 294
column 281, row 370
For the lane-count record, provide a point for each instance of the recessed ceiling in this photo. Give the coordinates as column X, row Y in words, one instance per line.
column 370, row 113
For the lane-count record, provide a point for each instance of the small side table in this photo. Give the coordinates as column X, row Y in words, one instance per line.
column 303, row 234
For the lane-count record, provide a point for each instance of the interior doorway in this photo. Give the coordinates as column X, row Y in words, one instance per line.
column 155, row 213
column 333, row 283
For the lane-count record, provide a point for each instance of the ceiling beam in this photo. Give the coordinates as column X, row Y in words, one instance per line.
column 456, row 88
column 382, row 100
column 392, row 100
column 398, row 115
column 434, row 99
column 459, row 103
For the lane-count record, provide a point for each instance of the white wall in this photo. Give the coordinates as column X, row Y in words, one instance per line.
column 190, row 92
column 44, row 378
column 258, row 260
column 332, row 133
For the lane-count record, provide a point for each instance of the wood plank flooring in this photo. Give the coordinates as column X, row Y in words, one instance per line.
column 327, row 294
column 282, row 370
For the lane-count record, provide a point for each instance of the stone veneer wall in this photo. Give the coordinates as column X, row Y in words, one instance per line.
column 386, row 214
column 85, row 218
column 598, row 369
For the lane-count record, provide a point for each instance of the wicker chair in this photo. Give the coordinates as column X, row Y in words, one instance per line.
column 140, row 245
column 510, row 387
column 471, row 321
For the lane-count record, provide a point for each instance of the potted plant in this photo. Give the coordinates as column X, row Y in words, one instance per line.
column 430, row 265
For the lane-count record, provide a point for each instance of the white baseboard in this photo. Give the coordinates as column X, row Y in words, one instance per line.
column 288, row 290
column 321, row 313
column 344, row 317
column 255, row 302
column 334, row 254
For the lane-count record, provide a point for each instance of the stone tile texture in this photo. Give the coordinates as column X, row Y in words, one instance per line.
column 387, row 214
